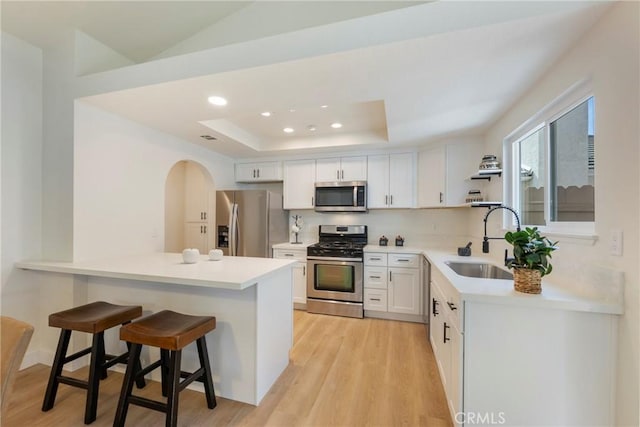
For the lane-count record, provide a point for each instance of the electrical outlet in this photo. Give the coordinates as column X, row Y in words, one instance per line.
column 615, row 244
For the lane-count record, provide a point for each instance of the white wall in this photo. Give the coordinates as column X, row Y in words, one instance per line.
column 120, row 173
column 609, row 55
column 21, row 175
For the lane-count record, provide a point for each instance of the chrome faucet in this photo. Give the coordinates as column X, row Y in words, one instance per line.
column 485, row 240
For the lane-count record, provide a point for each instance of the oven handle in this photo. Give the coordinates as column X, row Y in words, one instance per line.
column 330, row 259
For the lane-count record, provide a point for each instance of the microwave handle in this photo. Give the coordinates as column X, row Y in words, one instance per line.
column 355, row 195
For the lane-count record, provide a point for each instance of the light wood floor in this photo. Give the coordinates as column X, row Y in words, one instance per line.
column 343, row 372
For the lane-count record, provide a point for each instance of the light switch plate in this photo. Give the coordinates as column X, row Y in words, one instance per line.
column 615, row 247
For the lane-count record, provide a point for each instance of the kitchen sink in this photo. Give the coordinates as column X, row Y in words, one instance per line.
column 480, row 270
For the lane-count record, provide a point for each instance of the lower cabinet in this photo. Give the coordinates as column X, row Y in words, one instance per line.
column 299, row 274
column 196, row 236
column 504, row 363
column 392, row 286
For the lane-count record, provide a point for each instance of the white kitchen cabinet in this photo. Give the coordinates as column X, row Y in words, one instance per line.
column 506, row 359
column 341, row 169
column 299, row 184
column 196, row 194
column 391, row 181
column 392, row 286
column 443, row 174
column 196, row 235
column 299, row 274
column 258, row 172
column 404, row 290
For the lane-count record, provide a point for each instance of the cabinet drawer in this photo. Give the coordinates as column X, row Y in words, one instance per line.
column 375, row 277
column 452, row 305
column 375, row 258
column 290, row 254
column 402, row 260
column 375, row 299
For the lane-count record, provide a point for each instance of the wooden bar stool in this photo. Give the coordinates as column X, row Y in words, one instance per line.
column 93, row 318
column 171, row 332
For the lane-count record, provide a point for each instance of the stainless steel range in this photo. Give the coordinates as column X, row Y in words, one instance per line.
column 335, row 271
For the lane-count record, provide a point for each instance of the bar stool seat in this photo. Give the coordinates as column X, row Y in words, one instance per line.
column 94, row 318
column 171, row 332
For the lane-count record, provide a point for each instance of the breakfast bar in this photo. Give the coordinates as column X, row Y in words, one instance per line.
column 251, row 299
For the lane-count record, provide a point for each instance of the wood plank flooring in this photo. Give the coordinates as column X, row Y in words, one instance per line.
column 343, row 372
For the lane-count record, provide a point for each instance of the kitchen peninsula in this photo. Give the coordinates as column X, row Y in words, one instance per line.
column 250, row 297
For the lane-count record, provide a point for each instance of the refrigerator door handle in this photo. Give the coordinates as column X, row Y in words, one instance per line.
column 236, row 226
column 232, row 231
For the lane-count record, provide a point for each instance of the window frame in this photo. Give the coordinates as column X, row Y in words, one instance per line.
column 557, row 108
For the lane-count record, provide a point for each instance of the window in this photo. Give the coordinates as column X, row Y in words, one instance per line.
column 551, row 176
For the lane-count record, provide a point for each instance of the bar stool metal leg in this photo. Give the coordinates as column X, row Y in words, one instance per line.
column 127, row 385
column 95, row 372
column 56, row 370
column 203, row 354
column 174, row 388
column 164, row 370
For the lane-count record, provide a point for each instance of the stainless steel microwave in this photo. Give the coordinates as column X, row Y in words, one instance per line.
column 341, row 196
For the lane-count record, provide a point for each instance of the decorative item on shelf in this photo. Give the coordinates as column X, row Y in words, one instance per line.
column 190, row 255
column 466, row 251
column 531, row 253
column 474, row 196
column 383, row 241
column 296, row 227
column 399, row 240
column 489, row 162
column 215, row 254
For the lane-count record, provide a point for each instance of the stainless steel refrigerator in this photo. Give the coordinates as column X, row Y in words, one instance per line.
column 249, row 222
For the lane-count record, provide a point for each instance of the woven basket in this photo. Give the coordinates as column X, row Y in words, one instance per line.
column 527, row 280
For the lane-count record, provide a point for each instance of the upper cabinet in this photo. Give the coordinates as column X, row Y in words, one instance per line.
column 341, row 169
column 391, row 182
column 259, row 172
column 443, row 174
column 299, row 184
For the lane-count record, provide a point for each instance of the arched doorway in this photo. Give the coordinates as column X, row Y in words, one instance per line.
column 189, row 213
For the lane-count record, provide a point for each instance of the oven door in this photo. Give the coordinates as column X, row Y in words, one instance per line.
column 338, row 279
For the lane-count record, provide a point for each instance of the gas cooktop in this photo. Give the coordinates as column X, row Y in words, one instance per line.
column 340, row 241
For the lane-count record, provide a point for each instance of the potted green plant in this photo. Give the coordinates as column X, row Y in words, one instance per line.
column 531, row 254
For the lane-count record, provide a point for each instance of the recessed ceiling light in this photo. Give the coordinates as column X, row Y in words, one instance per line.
column 217, row 100
column 323, row 106
column 292, row 110
column 312, row 128
column 336, row 125
column 266, row 114
column 287, row 130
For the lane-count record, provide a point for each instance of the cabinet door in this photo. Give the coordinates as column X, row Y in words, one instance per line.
column 436, row 322
column 404, row 290
column 299, row 184
column 328, row 170
column 196, row 199
column 431, row 178
column 195, row 236
column 401, row 181
column 300, row 283
column 246, row 172
column 269, row 171
column 353, row 168
column 378, row 181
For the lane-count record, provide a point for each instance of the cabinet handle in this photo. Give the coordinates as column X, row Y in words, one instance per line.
column 312, row 202
column 452, row 306
column 403, row 260
column 205, row 230
column 304, row 270
column 375, row 259
column 200, row 229
column 391, row 199
column 434, row 307
column 441, row 197
column 445, row 333
column 389, row 276
column 374, row 277
column 337, row 174
column 258, row 172
column 386, row 199
column 254, row 173
column 342, row 176
column 288, row 254
column 374, row 299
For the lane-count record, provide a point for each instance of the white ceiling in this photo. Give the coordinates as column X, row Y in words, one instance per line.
column 407, row 92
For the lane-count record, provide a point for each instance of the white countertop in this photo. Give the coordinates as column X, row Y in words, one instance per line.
column 236, row 273
column 502, row 292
